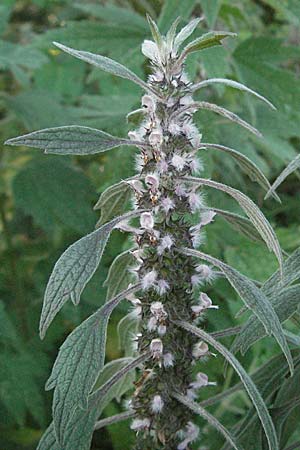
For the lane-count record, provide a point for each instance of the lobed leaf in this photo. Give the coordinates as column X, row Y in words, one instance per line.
column 250, row 387
column 233, row 84
column 293, row 165
column 78, row 364
column 253, row 212
column 70, row 140
column 108, row 65
column 254, row 299
column 251, row 169
column 197, row 409
column 74, row 269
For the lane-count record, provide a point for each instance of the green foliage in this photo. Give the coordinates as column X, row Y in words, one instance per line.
column 46, row 202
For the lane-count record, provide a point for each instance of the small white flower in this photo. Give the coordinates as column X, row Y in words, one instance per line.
column 206, row 301
column 152, row 324
column 174, row 128
column 195, row 200
column 191, row 434
column 205, row 272
column 162, row 166
column 148, row 280
column 150, row 50
column 196, row 280
column 192, row 133
column 156, row 348
column 207, row 217
column 149, row 103
column 152, row 181
column 157, row 404
column 195, row 165
column 167, row 204
column 162, row 286
column 161, row 330
column 200, row 349
column 165, row 243
column 158, row 310
column 156, row 138
column 168, row 360
column 186, row 100
column 191, row 394
column 180, row 191
column 140, row 424
column 178, row 162
column 147, row 221
column 157, row 76
column 197, row 309
column 202, row 381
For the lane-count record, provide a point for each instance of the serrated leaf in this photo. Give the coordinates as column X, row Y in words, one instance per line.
column 233, row 84
column 106, row 64
column 78, row 364
column 254, row 299
column 185, row 32
column 119, row 277
column 48, row 440
column 250, row 387
column 74, row 269
column 253, row 212
column 285, row 303
column 251, row 169
column 208, row 40
column 229, row 115
column 240, row 223
column 292, row 166
column 70, row 140
column 197, row 409
column 113, row 201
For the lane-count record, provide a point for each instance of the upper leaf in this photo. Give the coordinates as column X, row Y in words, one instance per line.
column 113, row 201
column 74, row 269
column 292, row 166
column 208, row 40
column 70, row 140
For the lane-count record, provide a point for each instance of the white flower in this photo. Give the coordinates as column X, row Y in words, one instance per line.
column 180, row 191
column 168, row 360
column 186, row 100
column 178, row 162
column 162, row 165
column 147, row 221
column 148, row 280
column 140, row 424
column 157, row 404
column 167, row 204
column 207, row 217
column 206, row 301
column 150, row 50
column 195, row 201
column 156, row 348
column 202, row 381
column 156, row 138
column 191, row 434
column 205, row 272
column 162, row 286
column 195, row 165
column 158, row 310
column 192, row 133
column 174, row 128
column 200, row 349
column 165, row 243
column 161, row 330
column 152, row 181
column 152, row 324
column 157, row 76
column 149, row 103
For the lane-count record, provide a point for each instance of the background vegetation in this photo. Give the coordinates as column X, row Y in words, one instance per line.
column 46, row 202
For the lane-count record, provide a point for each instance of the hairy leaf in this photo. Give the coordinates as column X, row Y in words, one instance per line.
column 254, row 299
column 208, row 40
column 123, row 385
column 233, row 84
column 250, row 387
column 293, row 165
column 245, row 163
column 127, row 328
column 77, row 366
column 253, row 212
column 119, row 276
column 74, row 269
column 70, row 140
column 48, row 440
column 106, row 64
column 185, row 32
column 113, row 201
column 240, row 223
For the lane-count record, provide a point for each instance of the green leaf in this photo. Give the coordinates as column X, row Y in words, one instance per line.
column 155, row 32
column 229, row 115
column 285, row 303
column 254, row 299
column 185, row 32
column 106, row 64
column 207, row 40
column 210, row 9
column 292, row 166
column 240, row 223
column 74, row 269
column 70, row 140
column 127, row 328
column 172, row 9
column 233, row 84
column 197, row 409
column 12, row 55
column 119, row 276
column 48, row 440
column 78, row 364
column 254, row 173
column 65, row 201
column 250, row 387
column 113, row 201
column 253, row 212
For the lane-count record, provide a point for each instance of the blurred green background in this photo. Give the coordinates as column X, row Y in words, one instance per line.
column 46, row 202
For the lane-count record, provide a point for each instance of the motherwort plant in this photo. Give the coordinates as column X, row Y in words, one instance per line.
column 163, row 270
